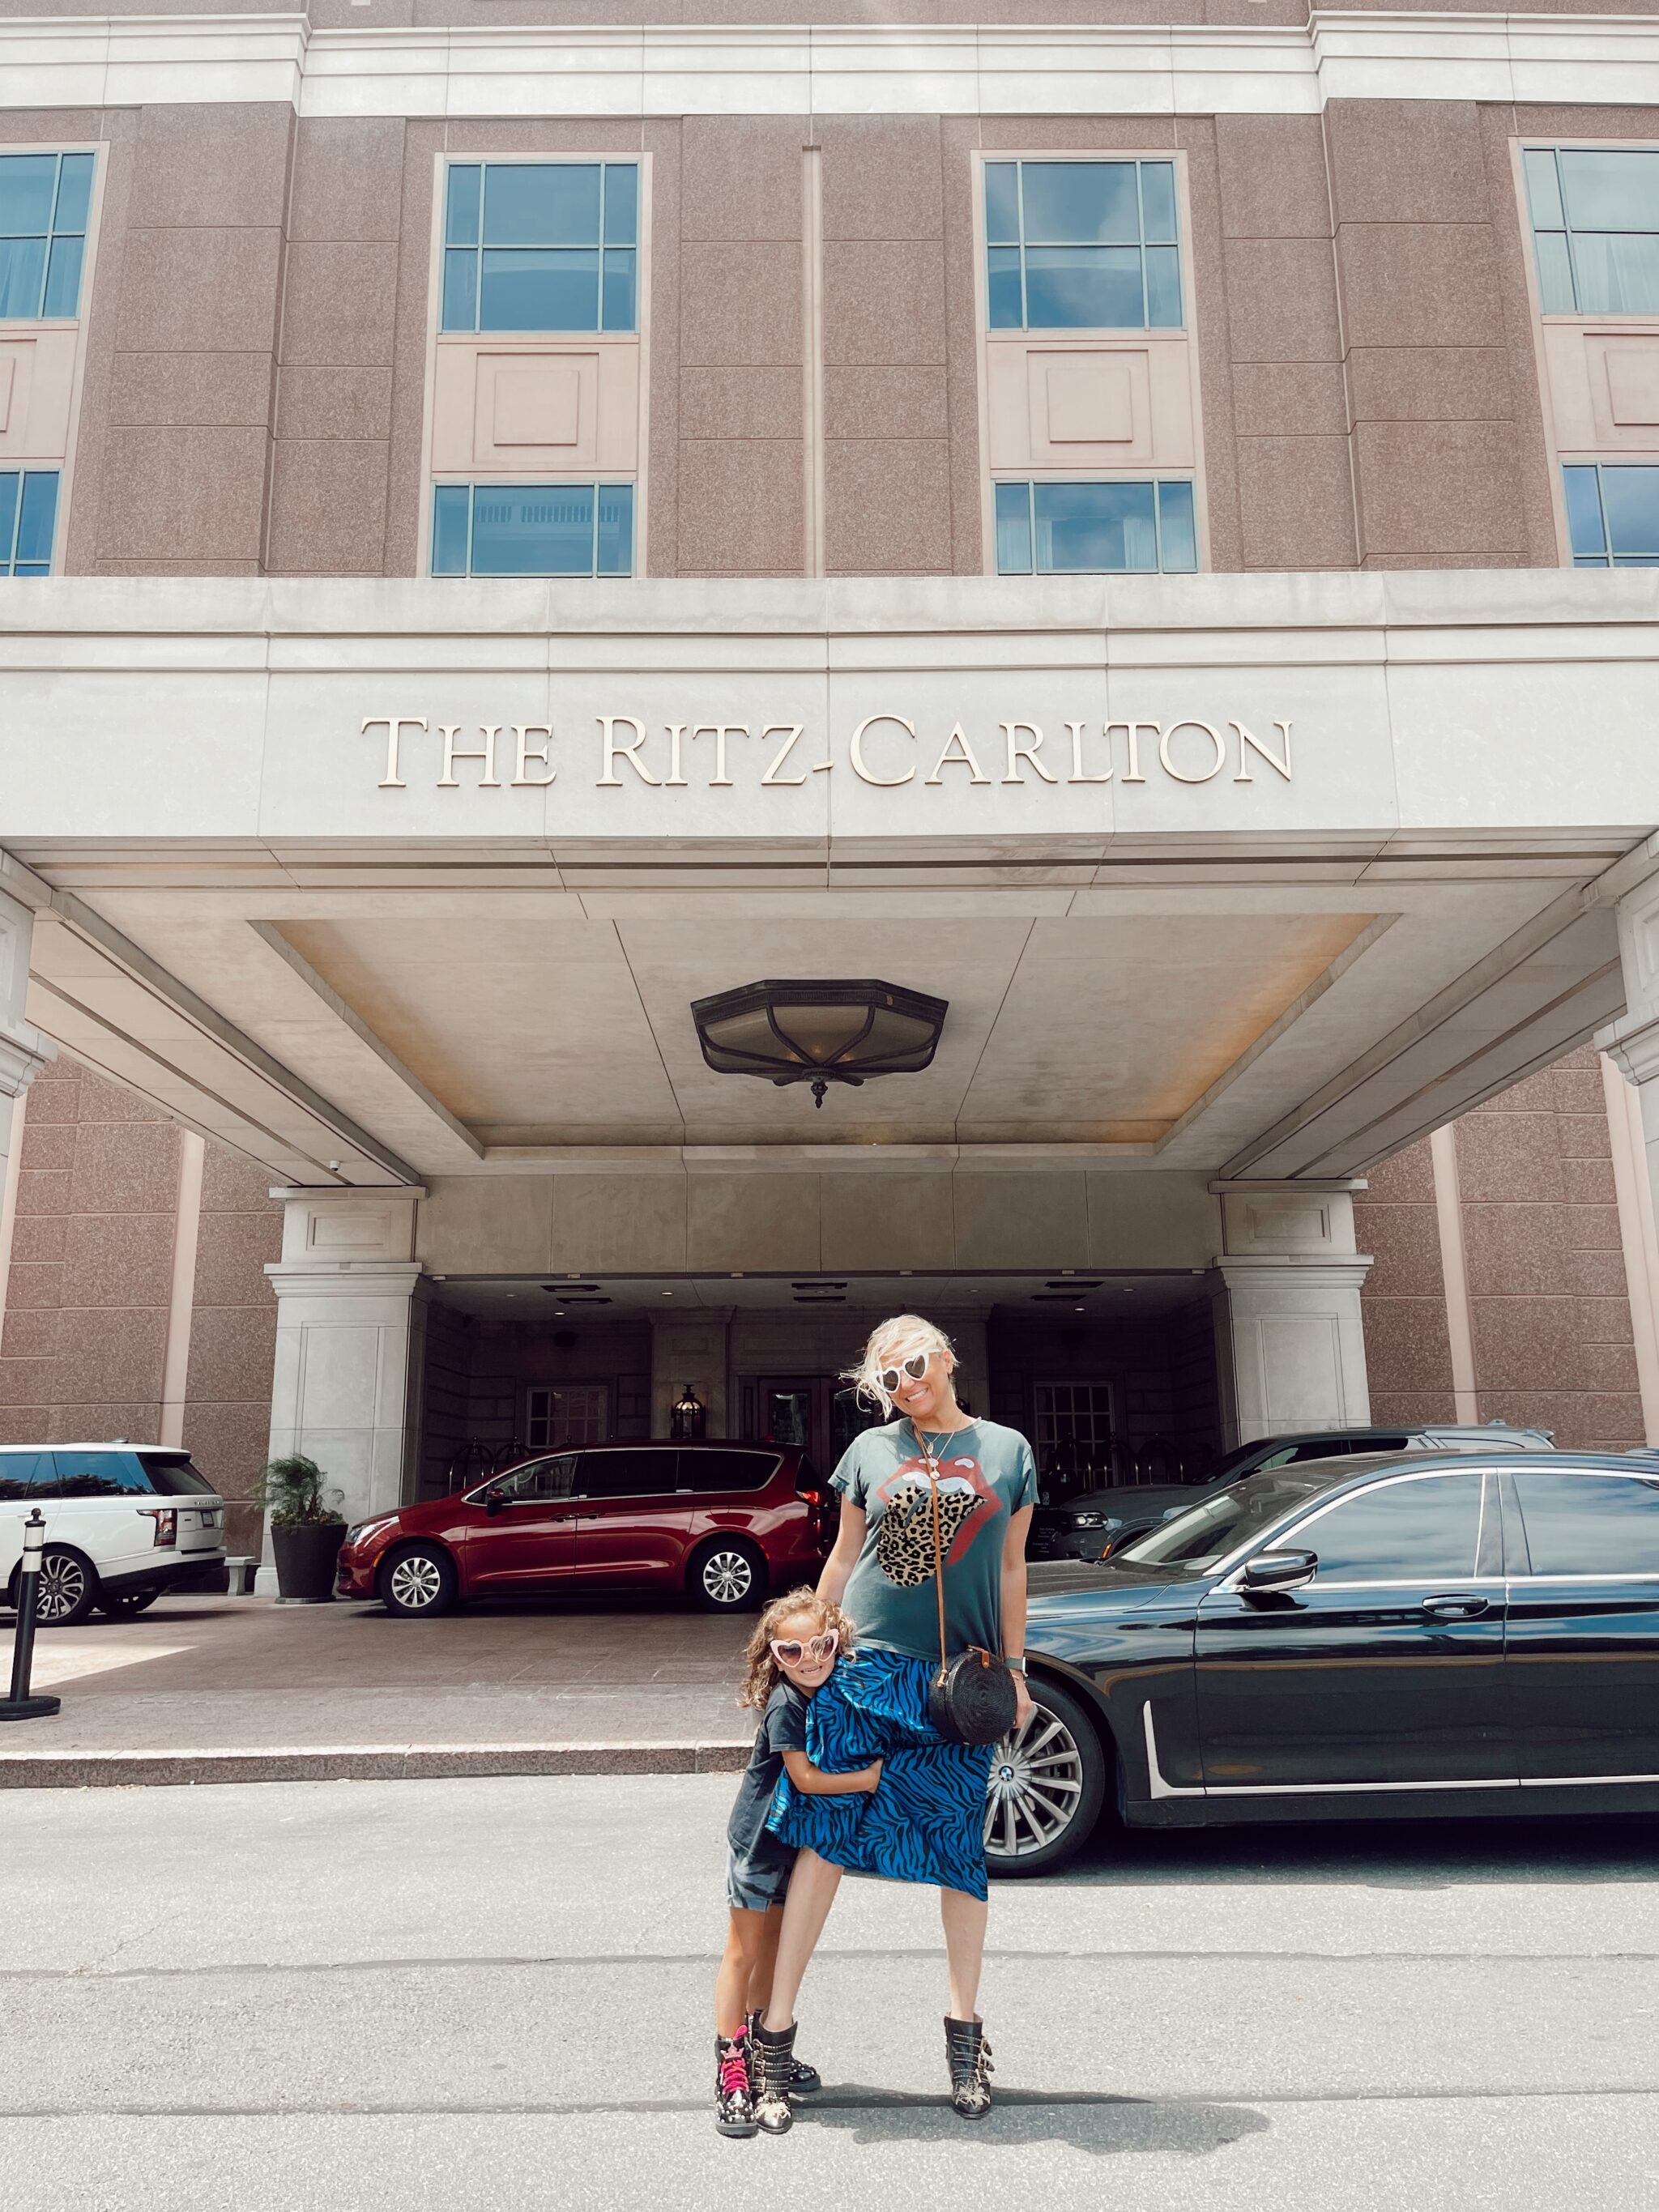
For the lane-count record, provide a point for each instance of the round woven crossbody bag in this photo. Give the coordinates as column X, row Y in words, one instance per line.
column 971, row 1700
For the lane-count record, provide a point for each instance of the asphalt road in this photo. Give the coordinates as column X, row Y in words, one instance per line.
column 351, row 1995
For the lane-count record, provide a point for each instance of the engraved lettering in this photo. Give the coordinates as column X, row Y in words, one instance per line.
column 1169, row 767
column 613, row 752
column 1018, row 752
column 962, row 759
column 485, row 752
column 1077, row 775
column 395, row 727
column 676, row 774
column 1249, row 743
column 792, row 736
column 855, row 752
column 525, row 752
column 719, row 732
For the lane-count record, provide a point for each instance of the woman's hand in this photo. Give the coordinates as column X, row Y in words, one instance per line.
column 870, row 1778
column 1024, row 1708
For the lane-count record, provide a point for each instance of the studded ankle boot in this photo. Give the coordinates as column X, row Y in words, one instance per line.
column 734, row 2109
column 803, row 2081
column 774, row 2061
column 968, row 2057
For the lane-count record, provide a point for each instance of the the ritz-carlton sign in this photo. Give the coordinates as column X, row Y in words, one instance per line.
column 888, row 750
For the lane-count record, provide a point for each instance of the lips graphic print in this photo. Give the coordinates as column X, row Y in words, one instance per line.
column 904, row 1537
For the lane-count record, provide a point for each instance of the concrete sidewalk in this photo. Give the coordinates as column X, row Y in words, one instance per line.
column 246, row 1690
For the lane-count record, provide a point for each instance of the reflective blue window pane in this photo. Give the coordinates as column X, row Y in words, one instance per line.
column 616, row 536
column 1554, row 273
column 63, row 276
column 541, row 204
column 450, row 503
column 532, row 530
column 11, row 484
column 1630, row 501
column 32, row 568
column 525, row 290
column 37, row 513
column 1618, row 273
column 1157, row 206
column 1094, row 529
column 1544, row 189
column 460, row 289
column 1003, row 287
column 622, row 204
column 1584, row 512
column 1082, row 286
column 620, row 313
column 461, row 219
column 22, row 275
column 73, row 192
column 1162, row 289
column 1080, row 202
column 29, row 182
column 1607, row 190
column 1014, row 530
column 1177, row 538
column 1001, row 204
column 1588, row 561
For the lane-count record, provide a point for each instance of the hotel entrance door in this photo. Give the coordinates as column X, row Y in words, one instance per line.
column 816, row 1414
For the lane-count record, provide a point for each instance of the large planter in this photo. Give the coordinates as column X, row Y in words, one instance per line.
column 307, row 1553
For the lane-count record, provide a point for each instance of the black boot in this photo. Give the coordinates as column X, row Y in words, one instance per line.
column 805, row 2080
column 734, row 2109
column 774, row 2062
column 968, row 2057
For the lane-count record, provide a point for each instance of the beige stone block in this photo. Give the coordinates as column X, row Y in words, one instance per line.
column 635, row 1223
column 882, row 177
column 210, row 166
column 1281, row 300
column 884, row 304
column 1430, row 384
column 1289, row 399
column 334, row 403
column 1296, row 503
column 232, row 1250
column 1021, row 1220
column 1088, row 404
column 1419, row 284
column 339, row 302
column 231, row 1351
column 328, row 509
column 37, row 378
column 741, row 178
column 118, row 1260
column 740, row 402
column 478, row 1224
column 223, row 390
column 1406, row 161
column 741, row 303
column 348, row 178
column 1429, row 490
column 1273, row 176
column 887, row 1221
column 886, row 402
column 752, row 1222
column 199, row 291
column 536, row 405
column 887, row 506
column 742, row 508
column 185, row 494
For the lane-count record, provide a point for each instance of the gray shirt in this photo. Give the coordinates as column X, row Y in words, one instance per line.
column 986, row 1473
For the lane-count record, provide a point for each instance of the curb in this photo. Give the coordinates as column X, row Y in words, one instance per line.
column 113, row 1769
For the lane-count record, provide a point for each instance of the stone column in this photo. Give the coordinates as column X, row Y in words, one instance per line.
column 350, row 1346
column 693, row 1348
column 23, row 1051
column 1284, row 1298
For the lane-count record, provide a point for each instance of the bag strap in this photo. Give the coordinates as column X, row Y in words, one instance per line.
column 927, row 1461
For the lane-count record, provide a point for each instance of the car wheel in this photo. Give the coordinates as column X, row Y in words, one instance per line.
column 68, row 1587
column 125, row 1605
column 417, row 1581
column 1046, row 1787
column 728, row 1576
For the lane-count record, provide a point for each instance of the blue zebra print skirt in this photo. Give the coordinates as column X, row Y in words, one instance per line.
column 925, row 1820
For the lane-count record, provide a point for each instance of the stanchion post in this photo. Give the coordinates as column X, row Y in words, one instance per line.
column 20, row 1706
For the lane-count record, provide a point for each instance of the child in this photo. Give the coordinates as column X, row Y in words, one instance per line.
column 790, row 1655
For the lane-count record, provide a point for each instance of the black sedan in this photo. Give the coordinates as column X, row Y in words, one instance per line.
column 1344, row 1639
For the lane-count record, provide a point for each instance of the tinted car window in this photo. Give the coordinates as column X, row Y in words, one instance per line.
column 175, row 1477
column 1403, row 1532
column 23, row 1473
column 538, row 1478
column 1590, row 1524
column 1223, row 1519
column 101, row 1475
column 725, row 1470
column 628, row 1473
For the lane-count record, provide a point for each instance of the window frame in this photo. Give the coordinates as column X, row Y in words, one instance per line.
column 453, row 161
column 475, row 484
column 1287, row 1535
column 1532, row 1574
column 59, row 153
column 23, row 472
column 1157, row 479
column 1081, row 157
column 1557, row 147
column 548, row 1448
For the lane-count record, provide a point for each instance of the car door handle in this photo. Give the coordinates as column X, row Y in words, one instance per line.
column 1463, row 1605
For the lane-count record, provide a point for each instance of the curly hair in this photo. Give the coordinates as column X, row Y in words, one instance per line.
column 762, row 1672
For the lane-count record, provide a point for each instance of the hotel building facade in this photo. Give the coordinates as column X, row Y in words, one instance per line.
column 1142, row 531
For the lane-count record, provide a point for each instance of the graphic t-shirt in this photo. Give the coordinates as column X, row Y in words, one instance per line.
column 986, row 1473
column 782, row 1728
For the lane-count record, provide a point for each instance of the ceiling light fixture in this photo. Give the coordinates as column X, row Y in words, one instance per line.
column 819, row 1031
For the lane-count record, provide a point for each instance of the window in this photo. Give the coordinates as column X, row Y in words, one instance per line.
column 708, row 1471
column 21, row 1471
column 175, row 1477
column 1595, row 228
column 628, row 1474
column 1082, row 246
column 1583, row 1524
column 1613, row 516
column 1073, row 1428
column 542, row 1480
column 532, row 530
column 101, row 1475
column 43, row 204
column 1404, row 1532
column 1095, row 528
column 541, row 245
column 28, row 520
column 572, row 1415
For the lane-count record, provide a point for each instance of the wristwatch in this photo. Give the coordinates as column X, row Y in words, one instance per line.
column 1017, row 1665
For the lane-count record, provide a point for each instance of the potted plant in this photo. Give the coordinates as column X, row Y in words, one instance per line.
column 305, row 1531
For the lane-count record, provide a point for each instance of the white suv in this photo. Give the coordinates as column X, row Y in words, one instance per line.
column 124, row 1523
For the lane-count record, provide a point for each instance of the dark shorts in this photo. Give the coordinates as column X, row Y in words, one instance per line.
column 757, row 1878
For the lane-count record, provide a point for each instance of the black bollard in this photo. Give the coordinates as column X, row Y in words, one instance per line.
column 20, row 1706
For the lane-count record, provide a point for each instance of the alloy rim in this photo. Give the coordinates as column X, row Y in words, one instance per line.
column 63, row 1586
column 417, row 1582
column 727, row 1576
column 1035, row 1782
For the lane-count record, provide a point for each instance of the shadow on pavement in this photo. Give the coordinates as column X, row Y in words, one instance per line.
column 1106, row 2126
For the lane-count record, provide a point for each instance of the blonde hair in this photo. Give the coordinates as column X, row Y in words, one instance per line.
column 899, row 1338
column 762, row 1672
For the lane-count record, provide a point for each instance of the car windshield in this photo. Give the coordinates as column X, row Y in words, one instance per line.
column 1224, row 1519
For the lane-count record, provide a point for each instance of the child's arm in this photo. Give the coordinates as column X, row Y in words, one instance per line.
column 812, row 1782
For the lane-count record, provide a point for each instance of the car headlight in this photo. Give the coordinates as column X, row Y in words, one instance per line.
column 1088, row 1521
column 363, row 1530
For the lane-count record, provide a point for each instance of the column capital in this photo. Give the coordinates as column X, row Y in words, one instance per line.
column 346, row 1278
column 23, row 1052
column 1633, row 1044
column 1307, row 1271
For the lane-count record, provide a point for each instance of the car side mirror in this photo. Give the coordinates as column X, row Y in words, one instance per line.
column 493, row 1501
column 1278, row 1570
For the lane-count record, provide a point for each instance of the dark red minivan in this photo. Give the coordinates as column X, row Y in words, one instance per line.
column 723, row 1524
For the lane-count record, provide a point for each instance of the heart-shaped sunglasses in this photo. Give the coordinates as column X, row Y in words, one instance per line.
column 790, row 1651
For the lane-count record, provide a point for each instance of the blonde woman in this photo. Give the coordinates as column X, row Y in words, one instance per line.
column 925, row 1820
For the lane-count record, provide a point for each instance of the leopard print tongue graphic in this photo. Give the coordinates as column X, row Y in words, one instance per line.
column 904, row 1540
